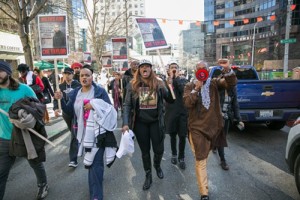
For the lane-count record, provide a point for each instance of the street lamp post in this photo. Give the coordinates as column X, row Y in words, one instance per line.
column 287, row 36
column 253, row 44
column 83, row 25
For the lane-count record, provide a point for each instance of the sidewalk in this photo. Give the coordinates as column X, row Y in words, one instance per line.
column 57, row 126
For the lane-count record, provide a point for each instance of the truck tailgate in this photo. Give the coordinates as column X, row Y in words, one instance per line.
column 268, row 94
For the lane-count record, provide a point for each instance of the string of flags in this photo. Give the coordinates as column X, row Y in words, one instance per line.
column 230, row 21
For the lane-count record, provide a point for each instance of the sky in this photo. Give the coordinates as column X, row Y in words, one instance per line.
column 172, row 11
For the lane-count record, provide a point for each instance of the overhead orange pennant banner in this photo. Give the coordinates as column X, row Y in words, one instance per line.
column 180, row 22
column 293, row 7
column 232, row 22
column 259, row 19
column 272, row 17
column 216, row 23
column 164, row 21
column 198, row 23
column 246, row 21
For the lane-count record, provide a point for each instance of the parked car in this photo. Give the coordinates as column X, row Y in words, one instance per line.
column 273, row 102
column 292, row 153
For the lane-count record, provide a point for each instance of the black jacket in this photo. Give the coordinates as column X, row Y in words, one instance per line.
column 176, row 113
column 126, row 80
column 17, row 145
column 233, row 107
column 130, row 107
column 64, row 89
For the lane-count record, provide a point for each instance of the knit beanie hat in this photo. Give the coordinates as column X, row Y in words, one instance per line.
column 76, row 65
column 4, row 66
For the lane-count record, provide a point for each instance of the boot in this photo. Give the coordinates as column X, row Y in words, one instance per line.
column 148, row 180
column 147, row 167
column 157, row 159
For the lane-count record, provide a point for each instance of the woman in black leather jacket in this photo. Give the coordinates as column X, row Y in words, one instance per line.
column 144, row 113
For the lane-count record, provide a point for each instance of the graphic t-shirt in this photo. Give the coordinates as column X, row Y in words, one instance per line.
column 148, row 105
column 7, row 98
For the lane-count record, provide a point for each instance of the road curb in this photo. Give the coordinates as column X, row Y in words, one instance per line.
column 57, row 135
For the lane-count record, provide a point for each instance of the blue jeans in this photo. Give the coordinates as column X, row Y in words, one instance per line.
column 6, row 162
column 96, row 172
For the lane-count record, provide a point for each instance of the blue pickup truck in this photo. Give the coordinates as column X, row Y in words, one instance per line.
column 273, row 102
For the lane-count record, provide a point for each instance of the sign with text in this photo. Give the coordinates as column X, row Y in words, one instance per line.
column 106, row 61
column 53, row 36
column 87, row 57
column 152, row 34
column 119, row 46
column 288, row 41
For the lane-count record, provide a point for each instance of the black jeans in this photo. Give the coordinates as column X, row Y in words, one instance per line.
column 6, row 162
column 181, row 144
column 147, row 133
column 221, row 149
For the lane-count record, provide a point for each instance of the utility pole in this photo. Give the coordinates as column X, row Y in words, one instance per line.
column 126, row 24
column 253, row 44
column 287, row 36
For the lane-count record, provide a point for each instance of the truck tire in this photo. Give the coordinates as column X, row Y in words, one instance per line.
column 275, row 125
column 297, row 172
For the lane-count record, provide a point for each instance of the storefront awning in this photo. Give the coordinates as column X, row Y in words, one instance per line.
column 10, row 46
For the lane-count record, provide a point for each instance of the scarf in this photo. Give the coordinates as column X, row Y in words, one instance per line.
column 205, row 94
column 103, row 118
column 26, row 120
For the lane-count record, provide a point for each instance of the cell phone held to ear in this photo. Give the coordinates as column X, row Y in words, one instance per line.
column 201, row 74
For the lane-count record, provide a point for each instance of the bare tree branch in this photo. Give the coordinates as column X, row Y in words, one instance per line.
column 36, row 9
column 7, row 9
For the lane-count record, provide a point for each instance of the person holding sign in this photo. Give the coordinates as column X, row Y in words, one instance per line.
column 205, row 121
column 143, row 112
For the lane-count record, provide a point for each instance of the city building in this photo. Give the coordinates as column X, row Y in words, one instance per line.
column 11, row 48
column 250, row 31
column 191, row 45
column 126, row 11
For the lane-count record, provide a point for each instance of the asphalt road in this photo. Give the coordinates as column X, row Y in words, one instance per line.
column 255, row 157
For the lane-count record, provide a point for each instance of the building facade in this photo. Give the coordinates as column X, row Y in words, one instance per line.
column 250, row 31
column 126, row 11
column 191, row 42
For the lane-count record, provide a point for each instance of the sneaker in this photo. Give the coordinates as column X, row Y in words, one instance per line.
column 181, row 163
column 174, row 159
column 43, row 191
column 224, row 165
column 73, row 164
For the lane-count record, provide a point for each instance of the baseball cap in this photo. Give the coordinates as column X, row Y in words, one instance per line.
column 145, row 62
column 68, row 70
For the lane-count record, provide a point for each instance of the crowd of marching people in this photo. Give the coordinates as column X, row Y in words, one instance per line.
column 198, row 112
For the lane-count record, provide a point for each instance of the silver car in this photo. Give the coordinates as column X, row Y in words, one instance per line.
column 292, row 153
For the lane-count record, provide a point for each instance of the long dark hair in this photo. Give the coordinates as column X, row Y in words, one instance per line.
column 13, row 83
column 153, row 82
